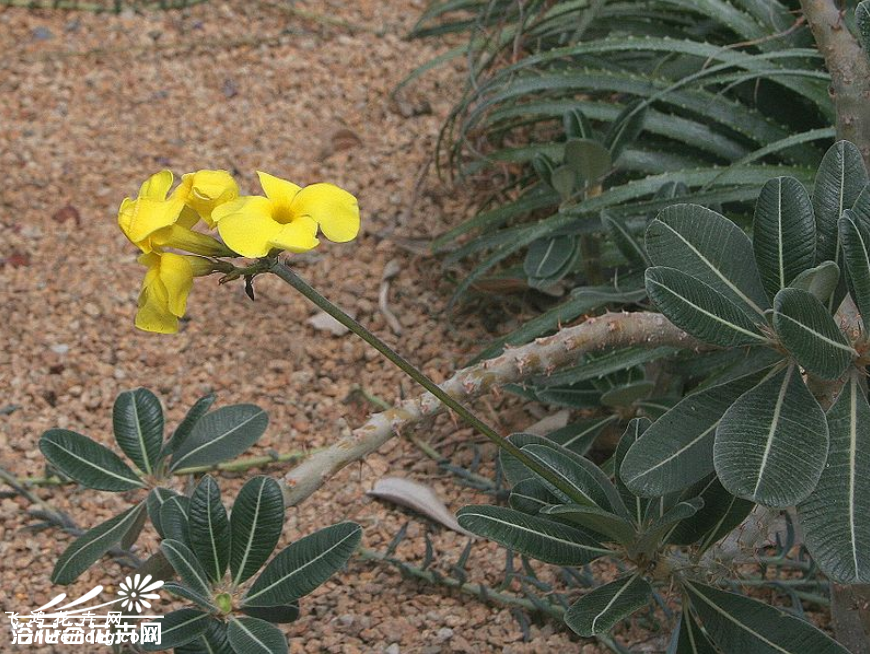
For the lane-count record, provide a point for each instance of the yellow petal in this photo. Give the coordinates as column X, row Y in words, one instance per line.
column 176, row 274
column 297, row 236
column 140, row 218
column 247, row 226
column 280, row 191
column 153, row 314
column 208, row 189
column 187, row 218
column 157, row 186
column 334, row 209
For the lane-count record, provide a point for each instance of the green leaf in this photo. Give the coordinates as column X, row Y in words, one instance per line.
column 839, row 180
column 563, row 180
column 576, row 125
column 254, row 636
column 579, row 435
column 709, row 247
column 213, row 641
column 624, row 240
column 220, row 436
column 279, row 614
column 626, row 128
column 690, row 639
column 699, row 309
column 721, row 513
column 784, row 233
column 659, row 530
column 87, row 462
column 739, row 624
column 588, row 159
column 88, row 548
column 772, row 443
column 184, row 592
column 185, row 427
column 209, row 528
column 677, row 449
column 179, row 628
column 137, row 420
column 609, row 525
column 173, row 519
column 303, row 565
column 541, row 539
column 546, row 257
column 157, row 497
column 836, row 517
column 187, row 566
column 810, row 334
column 626, row 395
column 255, row 524
column 820, row 281
column 635, row 429
column 531, row 496
column 599, row 611
column 129, row 538
column 514, row 471
column 584, row 480
column 855, row 240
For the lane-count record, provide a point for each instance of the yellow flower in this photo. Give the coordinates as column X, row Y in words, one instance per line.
column 152, row 221
column 206, row 189
column 167, row 283
column 287, row 218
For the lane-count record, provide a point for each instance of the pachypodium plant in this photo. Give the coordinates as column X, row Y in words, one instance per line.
column 217, row 556
column 202, row 439
column 785, row 426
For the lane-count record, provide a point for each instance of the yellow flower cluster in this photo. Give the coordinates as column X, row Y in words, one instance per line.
column 286, row 218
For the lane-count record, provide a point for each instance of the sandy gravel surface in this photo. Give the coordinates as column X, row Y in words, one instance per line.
column 91, row 105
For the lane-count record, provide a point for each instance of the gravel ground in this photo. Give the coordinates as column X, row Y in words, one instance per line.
column 90, row 106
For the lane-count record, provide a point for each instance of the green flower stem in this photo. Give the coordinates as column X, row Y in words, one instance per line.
column 281, row 270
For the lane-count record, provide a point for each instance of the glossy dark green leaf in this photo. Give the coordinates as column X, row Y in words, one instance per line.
column 784, row 233
column 721, row 513
column 630, row 245
column 810, row 334
column 185, row 427
column 129, row 538
column 820, row 281
column 608, row 525
column 88, row 548
column 626, row 395
column 157, row 497
column 304, row 565
column 87, row 462
column 577, row 125
column 636, row 505
column 588, row 159
column 214, row 641
column 255, row 524
column 187, row 566
column 538, row 538
column 839, row 180
column 711, row 248
column 689, row 639
column 599, row 611
column 178, row 628
column 563, row 180
column 530, row 496
column 836, row 517
column 254, row 636
column 677, row 449
column 173, row 519
column 209, row 527
column 625, row 129
column 855, row 241
column 180, row 590
column 699, row 309
column 580, row 434
column 275, row 614
column 514, row 471
column 137, row 420
column 220, row 436
column 546, row 257
column 544, row 167
column 739, row 624
column 772, row 443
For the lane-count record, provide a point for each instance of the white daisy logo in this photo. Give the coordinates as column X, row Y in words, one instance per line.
column 137, row 591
